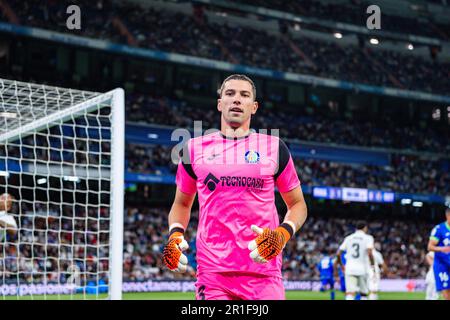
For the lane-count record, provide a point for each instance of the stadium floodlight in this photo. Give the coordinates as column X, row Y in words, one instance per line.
column 10, row 115
column 70, row 235
column 338, row 35
column 405, row 201
column 374, row 41
column 71, row 179
column 436, row 114
column 4, row 173
column 42, row 181
column 417, row 204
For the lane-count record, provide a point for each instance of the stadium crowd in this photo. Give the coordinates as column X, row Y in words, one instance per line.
column 53, row 15
column 54, row 238
column 56, row 148
column 55, row 242
column 403, row 245
column 196, row 36
column 149, row 159
column 386, row 133
column 355, row 12
column 52, row 246
column 405, row 173
column 408, row 174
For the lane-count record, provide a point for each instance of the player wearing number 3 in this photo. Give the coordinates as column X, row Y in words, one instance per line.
column 359, row 246
column 235, row 172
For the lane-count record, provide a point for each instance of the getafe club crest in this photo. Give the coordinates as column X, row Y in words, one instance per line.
column 252, row 156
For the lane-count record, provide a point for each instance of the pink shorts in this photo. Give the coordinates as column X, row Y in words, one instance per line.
column 238, row 286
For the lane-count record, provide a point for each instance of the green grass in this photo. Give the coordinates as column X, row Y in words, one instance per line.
column 290, row 295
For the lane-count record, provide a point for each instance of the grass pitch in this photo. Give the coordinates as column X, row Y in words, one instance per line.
column 290, row 295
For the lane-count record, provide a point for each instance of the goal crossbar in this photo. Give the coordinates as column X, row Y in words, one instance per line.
column 58, row 116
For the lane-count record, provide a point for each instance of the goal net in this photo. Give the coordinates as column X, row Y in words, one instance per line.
column 62, row 161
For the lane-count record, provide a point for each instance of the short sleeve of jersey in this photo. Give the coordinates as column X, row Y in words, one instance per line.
column 186, row 179
column 343, row 246
column 435, row 233
column 380, row 258
column 286, row 177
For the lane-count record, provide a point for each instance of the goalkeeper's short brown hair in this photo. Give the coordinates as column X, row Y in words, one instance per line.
column 238, row 77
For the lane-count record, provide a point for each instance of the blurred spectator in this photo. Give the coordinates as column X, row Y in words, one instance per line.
column 51, row 244
column 354, row 12
column 387, row 134
column 405, row 173
column 244, row 45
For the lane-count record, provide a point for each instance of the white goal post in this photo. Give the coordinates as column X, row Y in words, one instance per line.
column 62, row 161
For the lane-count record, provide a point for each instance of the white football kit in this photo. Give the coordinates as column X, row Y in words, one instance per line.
column 356, row 246
column 6, row 218
column 375, row 273
column 430, row 282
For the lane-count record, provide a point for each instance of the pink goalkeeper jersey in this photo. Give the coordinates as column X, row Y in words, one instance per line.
column 235, row 179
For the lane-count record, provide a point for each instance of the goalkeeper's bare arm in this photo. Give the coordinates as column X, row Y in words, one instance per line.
column 179, row 217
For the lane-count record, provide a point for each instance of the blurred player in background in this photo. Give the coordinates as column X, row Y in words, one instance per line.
column 374, row 274
column 235, row 172
column 431, row 293
column 439, row 243
column 338, row 269
column 359, row 246
column 326, row 270
column 8, row 224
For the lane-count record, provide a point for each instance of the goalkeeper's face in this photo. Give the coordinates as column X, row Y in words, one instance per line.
column 5, row 202
column 237, row 102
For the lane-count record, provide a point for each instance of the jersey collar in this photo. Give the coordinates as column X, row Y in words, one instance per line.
column 447, row 225
column 235, row 138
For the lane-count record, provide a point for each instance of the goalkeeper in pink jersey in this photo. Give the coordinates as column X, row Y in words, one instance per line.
column 235, row 172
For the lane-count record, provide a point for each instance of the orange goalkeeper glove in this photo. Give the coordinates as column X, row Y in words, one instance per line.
column 269, row 243
column 173, row 256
